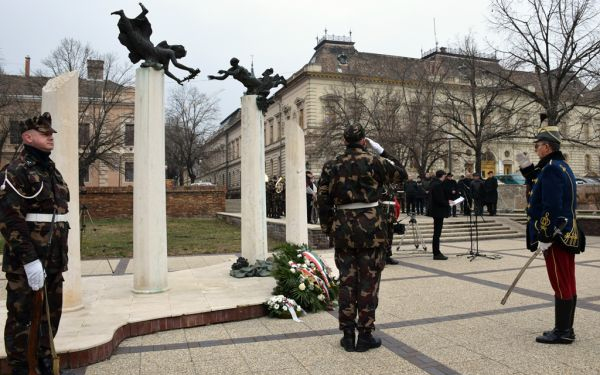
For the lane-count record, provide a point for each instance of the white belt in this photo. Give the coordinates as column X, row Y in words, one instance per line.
column 389, row 202
column 45, row 218
column 355, row 206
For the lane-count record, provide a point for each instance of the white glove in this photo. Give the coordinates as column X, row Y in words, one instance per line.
column 523, row 160
column 375, row 146
column 544, row 245
column 35, row 274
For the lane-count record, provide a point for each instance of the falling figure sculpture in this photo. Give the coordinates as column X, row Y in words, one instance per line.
column 254, row 86
column 135, row 35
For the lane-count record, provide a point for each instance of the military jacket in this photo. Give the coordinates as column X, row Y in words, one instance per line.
column 356, row 176
column 552, row 196
column 32, row 184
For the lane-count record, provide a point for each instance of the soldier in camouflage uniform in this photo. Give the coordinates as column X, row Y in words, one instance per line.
column 347, row 195
column 33, row 202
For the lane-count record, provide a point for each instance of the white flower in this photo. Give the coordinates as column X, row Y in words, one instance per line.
column 276, row 306
column 290, row 262
column 302, row 286
column 299, row 255
column 321, row 297
column 298, row 308
column 284, row 308
column 292, row 270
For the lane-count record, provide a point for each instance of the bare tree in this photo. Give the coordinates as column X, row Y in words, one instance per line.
column 100, row 119
column 558, row 42
column 421, row 134
column 191, row 119
column 482, row 107
column 377, row 108
column 101, row 122
column 70, row 55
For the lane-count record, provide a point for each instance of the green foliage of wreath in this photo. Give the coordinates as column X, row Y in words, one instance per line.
column 287, row 264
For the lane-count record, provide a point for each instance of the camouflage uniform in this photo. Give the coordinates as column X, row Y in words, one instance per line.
column 32, row 185
column 360, row 234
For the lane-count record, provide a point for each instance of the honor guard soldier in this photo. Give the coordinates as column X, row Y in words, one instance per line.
column 552, row 226
column 33, row 204
column 347, row 194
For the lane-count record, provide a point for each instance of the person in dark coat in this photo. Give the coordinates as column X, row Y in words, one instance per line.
column 426, row 183
column 421, row 197
column 410, row 191
column 451, row 190
column 464, row 187
column 490, row 189
column 552, row 227
column 439, row 208
column 477, row 193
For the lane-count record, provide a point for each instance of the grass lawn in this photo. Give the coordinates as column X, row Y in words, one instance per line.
column 113, row 238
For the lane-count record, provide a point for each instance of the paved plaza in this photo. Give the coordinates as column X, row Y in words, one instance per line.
column 436, row 317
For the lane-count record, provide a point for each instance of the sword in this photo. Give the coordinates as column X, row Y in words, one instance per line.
column 557, row 231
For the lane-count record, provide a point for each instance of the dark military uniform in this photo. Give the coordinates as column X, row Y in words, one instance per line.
column 551, row 205
column 33, row 190
column 348, row 193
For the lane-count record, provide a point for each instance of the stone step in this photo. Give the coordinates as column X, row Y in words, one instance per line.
column 467, row 232
column 408, row 240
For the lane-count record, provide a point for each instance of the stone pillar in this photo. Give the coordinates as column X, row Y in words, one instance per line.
column 149, row 193
column 296, row 228
column 60, row 97
column 254, row 202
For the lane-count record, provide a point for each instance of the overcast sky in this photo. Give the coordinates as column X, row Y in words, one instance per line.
column 278, row 33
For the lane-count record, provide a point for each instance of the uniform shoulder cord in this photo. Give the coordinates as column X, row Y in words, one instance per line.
column 7, row 181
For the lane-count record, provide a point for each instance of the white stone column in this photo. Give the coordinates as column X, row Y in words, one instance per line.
column 254, row 202
column 60, row 97
column 296, row 228
column 149, row 193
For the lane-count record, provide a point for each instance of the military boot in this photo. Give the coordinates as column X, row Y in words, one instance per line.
column 19, row 370
column 45, row 365
column 366, row 341
column 391, row 261
column 571, row 330
column 562, row 332
column 347, row 342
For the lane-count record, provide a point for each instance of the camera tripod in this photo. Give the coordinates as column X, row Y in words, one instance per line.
column 84, row 217
column 416, row 234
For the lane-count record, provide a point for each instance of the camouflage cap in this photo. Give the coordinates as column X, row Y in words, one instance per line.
column 547, row 133
column 41, row 123
column 354, row 133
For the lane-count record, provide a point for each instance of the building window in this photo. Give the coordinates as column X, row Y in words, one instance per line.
column 588, row 163
column 301, row 118
column 128, row 135
column 128, row 171
column 271, row 132
column 15, row 133
column 84, row 134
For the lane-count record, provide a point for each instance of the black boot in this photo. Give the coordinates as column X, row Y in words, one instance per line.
column 562, row 332
column 390, row 260
column 366, row 341
column 45, row 365
column 347, row 342
column 19, row 370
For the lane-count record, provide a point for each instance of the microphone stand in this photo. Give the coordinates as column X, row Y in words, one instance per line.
column 474, row 253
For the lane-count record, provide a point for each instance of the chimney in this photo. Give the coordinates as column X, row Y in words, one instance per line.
column 27, row 66
column 95, row 69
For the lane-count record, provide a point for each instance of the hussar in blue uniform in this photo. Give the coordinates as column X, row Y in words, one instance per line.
column 552, row 226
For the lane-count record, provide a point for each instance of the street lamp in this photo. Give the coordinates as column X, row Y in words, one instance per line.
column 449, row 137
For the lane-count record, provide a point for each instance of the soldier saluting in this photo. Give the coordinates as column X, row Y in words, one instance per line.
column 552, row 226
column 347, row 194
column 33, row 204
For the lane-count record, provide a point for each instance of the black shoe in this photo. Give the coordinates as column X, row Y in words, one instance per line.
column 347, row 342
column 20, row 370
column 439, row 256
column 366, row 341
column 390, row 260
column 556, row 337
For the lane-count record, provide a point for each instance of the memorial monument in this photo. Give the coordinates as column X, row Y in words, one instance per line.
column 149, row 193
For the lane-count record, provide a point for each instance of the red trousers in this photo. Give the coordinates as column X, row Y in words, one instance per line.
column 560, row 265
